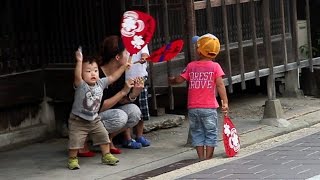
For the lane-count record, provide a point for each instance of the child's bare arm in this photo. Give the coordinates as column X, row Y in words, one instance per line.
column 223, row 94
column 78, row 68
column 175, row 80
column 108, row 103
column 116, row 75
column 120, row 97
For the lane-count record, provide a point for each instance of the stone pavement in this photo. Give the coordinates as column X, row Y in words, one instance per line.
column 293, row 155
column 298, row 159
column 47, row 159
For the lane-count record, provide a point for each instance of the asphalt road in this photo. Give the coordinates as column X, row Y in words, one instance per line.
column 298, row 159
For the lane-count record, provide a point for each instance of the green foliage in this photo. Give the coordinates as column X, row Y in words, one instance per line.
column 305, row 51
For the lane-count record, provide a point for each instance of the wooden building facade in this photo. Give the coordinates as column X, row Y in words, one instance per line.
column 38, row 40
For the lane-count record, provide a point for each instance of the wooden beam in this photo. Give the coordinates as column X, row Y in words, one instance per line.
column 216, row 3
column 277, row 70
column 247, row 43
column 22, row 72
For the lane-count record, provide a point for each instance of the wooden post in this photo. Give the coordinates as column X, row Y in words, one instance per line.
column 209, row 16
column 190, row 32
column 273, row 113
column 191, row 28
column 268, row 49
column 226, row 44
column 153, row 91
column 284, row 41
column 240, row 45
column 309, row 35
column 254, row 42
column 167, row 40
column 294, row 32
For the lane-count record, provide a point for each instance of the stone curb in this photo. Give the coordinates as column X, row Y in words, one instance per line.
column 163, row 122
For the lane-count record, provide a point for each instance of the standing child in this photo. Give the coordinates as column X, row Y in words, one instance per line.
column 204, row 76
column 139, row 70
column 84, row 117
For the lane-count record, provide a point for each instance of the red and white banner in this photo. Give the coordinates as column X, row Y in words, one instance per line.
column 136, row 29
column 231, row 139
column 166, row 52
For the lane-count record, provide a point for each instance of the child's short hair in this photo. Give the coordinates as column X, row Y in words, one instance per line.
column 90, row 60
column 208, row 45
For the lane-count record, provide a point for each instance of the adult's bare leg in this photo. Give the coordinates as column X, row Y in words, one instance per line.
column 139, row 129
column 114, row 134
column 127, row 134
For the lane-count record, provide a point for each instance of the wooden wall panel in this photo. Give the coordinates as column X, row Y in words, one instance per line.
column 59, row 84
column 22, row 88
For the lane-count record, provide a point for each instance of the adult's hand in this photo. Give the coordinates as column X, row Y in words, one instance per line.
column 138, row 86
column 128, row 85
column 120, row 97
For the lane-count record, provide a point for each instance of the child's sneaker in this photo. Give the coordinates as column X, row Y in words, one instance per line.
column 132, row 144
column 109, row 159
column 73, row 163
column 144, row 142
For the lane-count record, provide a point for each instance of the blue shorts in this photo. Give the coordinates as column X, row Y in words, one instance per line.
column 203, row 126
